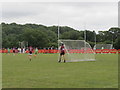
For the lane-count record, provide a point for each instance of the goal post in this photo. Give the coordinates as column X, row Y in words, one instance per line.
column 77, row 50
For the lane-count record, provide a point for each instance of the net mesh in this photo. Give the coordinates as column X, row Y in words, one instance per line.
column 103, row 46
column 77, row 50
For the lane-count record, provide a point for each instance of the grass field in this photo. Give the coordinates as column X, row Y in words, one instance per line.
column 45, row 72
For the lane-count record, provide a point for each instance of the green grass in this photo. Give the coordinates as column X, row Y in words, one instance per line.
column 45, row 72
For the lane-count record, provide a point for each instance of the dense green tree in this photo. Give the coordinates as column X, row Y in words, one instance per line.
column 36, row 38
column 42, row 36
column 90, row 36
column 117, row 43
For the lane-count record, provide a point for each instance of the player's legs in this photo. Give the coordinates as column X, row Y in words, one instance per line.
column 30, row 56
column 13, row 52
column 64, row 57
column 8, row 52
column 60, row 57
column 35, row 55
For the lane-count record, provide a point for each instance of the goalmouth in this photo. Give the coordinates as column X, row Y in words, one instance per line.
column 77, row 50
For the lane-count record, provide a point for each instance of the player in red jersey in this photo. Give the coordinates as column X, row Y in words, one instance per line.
column 30, row 49
column 14, row 51
column 62, row 53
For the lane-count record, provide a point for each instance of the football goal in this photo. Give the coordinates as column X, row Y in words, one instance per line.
column 103, row 46
column 77, row 50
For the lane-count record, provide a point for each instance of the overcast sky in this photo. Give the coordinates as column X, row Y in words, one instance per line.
column 78, row 15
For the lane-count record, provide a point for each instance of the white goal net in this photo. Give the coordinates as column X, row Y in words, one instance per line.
column 77, row 50
column 103, row 46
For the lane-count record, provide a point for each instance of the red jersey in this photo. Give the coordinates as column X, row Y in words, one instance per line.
column 62, row 49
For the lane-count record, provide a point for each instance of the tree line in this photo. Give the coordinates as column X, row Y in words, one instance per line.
column 42, row 36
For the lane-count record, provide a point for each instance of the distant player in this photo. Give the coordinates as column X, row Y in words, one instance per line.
column 30, row 49
column 14, row 51
column 8, row 51
column 36, row 52
column 62, row 53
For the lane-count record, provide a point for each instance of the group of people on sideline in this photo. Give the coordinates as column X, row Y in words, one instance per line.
column 25, row 50
column 30, row 50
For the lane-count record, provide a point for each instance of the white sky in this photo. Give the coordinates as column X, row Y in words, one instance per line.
column 78, row 15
